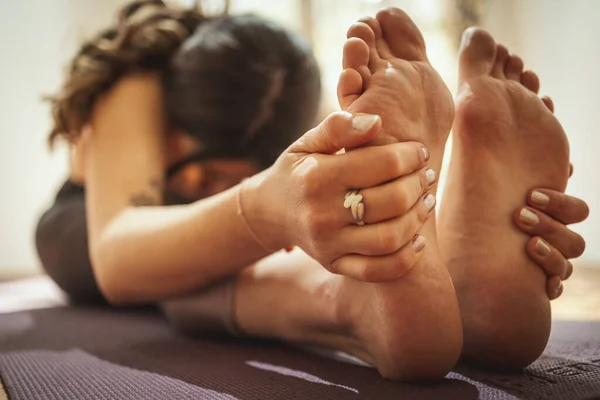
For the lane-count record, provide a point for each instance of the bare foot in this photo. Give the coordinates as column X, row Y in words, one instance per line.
column 506, row 141
column 410, row 328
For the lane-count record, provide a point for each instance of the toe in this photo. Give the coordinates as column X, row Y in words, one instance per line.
column 401, row 35
column 367, row 31
column 362, row 31
column 549, row 103
column 349, row 88
column 530, row 80
column 514, row 68
column 500, row 62
column 356, row 56
column 381, row 45
column 374, row 25
column 477, row 54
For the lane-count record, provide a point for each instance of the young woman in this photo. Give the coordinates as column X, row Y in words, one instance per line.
column 167, row 112
column 169, row 107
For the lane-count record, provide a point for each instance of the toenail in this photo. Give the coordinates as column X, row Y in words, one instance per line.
column 426, row 153
column 364, row 122
column 418, row 243
column 542, row 248
column 539, row 198
column 528, row 218
column 429, row 201
column 431, row 176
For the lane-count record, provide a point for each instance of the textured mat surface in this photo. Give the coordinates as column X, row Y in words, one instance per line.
column 96, row 353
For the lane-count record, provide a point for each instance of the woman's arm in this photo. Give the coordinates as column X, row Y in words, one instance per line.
column 142, row 253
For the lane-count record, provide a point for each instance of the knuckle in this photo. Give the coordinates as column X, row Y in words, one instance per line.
column 408, row 227
column 550, row 228
column 316, row 222
column 392, row 161
column 367, row 272
column 310, row 178
column 405, row 262
column 401, row 200
column 387, row 241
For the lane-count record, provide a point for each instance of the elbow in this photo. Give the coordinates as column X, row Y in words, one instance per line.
column 109, row 286
column 112, row 282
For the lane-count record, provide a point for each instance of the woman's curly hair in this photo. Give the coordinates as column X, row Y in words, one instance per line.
column 228, row 80
column 146, row 35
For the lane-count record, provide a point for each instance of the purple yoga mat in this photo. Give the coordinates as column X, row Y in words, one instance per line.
column 98, row 353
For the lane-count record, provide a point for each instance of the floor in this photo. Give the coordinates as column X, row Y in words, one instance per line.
column 581, row 298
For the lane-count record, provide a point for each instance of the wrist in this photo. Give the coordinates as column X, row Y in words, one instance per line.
column 261, row 211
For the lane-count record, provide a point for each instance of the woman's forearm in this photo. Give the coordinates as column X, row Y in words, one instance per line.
column 150, row 253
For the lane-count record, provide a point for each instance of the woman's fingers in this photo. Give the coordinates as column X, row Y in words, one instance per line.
column 395, row 198
column 554, row 287
column 564, row 208
column 548, row 257
column 383, row 268
column 536, row 223
column 389, row 236
column 371, row 166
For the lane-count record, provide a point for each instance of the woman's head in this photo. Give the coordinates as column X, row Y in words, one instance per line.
column 242, row 86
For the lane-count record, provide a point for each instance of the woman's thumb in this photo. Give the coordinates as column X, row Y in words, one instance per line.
column 340, row 130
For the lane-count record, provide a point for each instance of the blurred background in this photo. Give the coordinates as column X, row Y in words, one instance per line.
column 559, row 39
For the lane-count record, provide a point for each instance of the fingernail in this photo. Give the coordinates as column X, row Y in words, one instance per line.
column 564, row 274
column 431, row 176
column 364, row 122
column 429, row 201
column 418, row 243
column 425, row 153
column 539, row 198
column 528, row 218
column 558, row 286
column 541, row 248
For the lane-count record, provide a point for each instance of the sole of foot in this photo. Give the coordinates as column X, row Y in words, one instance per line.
column 506, row 141
column 410, row 328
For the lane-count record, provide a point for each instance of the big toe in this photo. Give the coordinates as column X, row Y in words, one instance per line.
column 477, row 54
column 403, row 37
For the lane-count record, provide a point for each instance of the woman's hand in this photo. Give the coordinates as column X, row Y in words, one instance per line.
column 300, row 199
column 552, row 243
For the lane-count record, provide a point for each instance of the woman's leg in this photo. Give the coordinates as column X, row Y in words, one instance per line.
column 62, row 245
column 409, row 328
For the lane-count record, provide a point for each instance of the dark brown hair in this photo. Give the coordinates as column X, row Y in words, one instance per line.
column 233, row 82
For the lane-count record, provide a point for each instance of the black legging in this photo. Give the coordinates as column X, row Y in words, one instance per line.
column 62, row 244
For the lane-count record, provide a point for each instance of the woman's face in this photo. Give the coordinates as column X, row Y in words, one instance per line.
column 206, row 178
